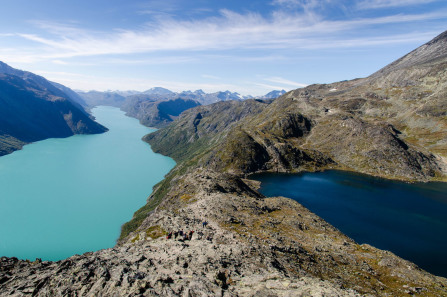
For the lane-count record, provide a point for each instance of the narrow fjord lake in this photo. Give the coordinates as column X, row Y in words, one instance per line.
column 60, row 197
column 408, row 219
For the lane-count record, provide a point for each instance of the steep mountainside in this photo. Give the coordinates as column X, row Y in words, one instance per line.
column 202, row 128
column 32, row 109
column 156, row 114
column 385, row 125
column 72, row 94
column 43, row 83
column 391, row 124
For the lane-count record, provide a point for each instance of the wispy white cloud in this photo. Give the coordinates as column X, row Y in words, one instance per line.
column 306, row 5
column 371, row 4
column 210, row 76
column 230, row 30
column 151, row 61
column 102, row 83
column 60, row 73
column 68, row 28
column 59, row 62
column 270, row 87
column 283, row 81
column 333, row 43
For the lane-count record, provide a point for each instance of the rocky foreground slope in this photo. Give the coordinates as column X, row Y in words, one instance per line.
column 390, row 124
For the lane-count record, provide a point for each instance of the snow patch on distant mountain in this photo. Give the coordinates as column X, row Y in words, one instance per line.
column 162, row 94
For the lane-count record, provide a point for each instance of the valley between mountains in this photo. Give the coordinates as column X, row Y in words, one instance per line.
column 392, row 124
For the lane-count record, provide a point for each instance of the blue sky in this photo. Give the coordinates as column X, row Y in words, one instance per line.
column 250, row 47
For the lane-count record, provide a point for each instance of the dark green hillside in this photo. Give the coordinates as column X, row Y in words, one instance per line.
column 156, row 113
column 200, row 129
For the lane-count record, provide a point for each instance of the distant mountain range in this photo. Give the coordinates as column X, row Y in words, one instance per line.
column 158, row 106
column 33, row 108
column 117, row 98
column 272, row 95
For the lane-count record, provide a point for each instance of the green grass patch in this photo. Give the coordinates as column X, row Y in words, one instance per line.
column 155, row 232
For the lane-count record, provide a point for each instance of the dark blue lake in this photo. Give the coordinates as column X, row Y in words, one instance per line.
column 408, row 219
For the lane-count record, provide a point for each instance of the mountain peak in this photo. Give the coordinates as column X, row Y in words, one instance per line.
column 440, row 38
column 432, row 51
column 158, row 91
column 5, row 68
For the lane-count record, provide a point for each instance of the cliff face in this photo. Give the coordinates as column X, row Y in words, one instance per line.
column 32, row 109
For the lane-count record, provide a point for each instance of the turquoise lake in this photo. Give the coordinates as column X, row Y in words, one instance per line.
column 60, row 197
column 408, row 219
